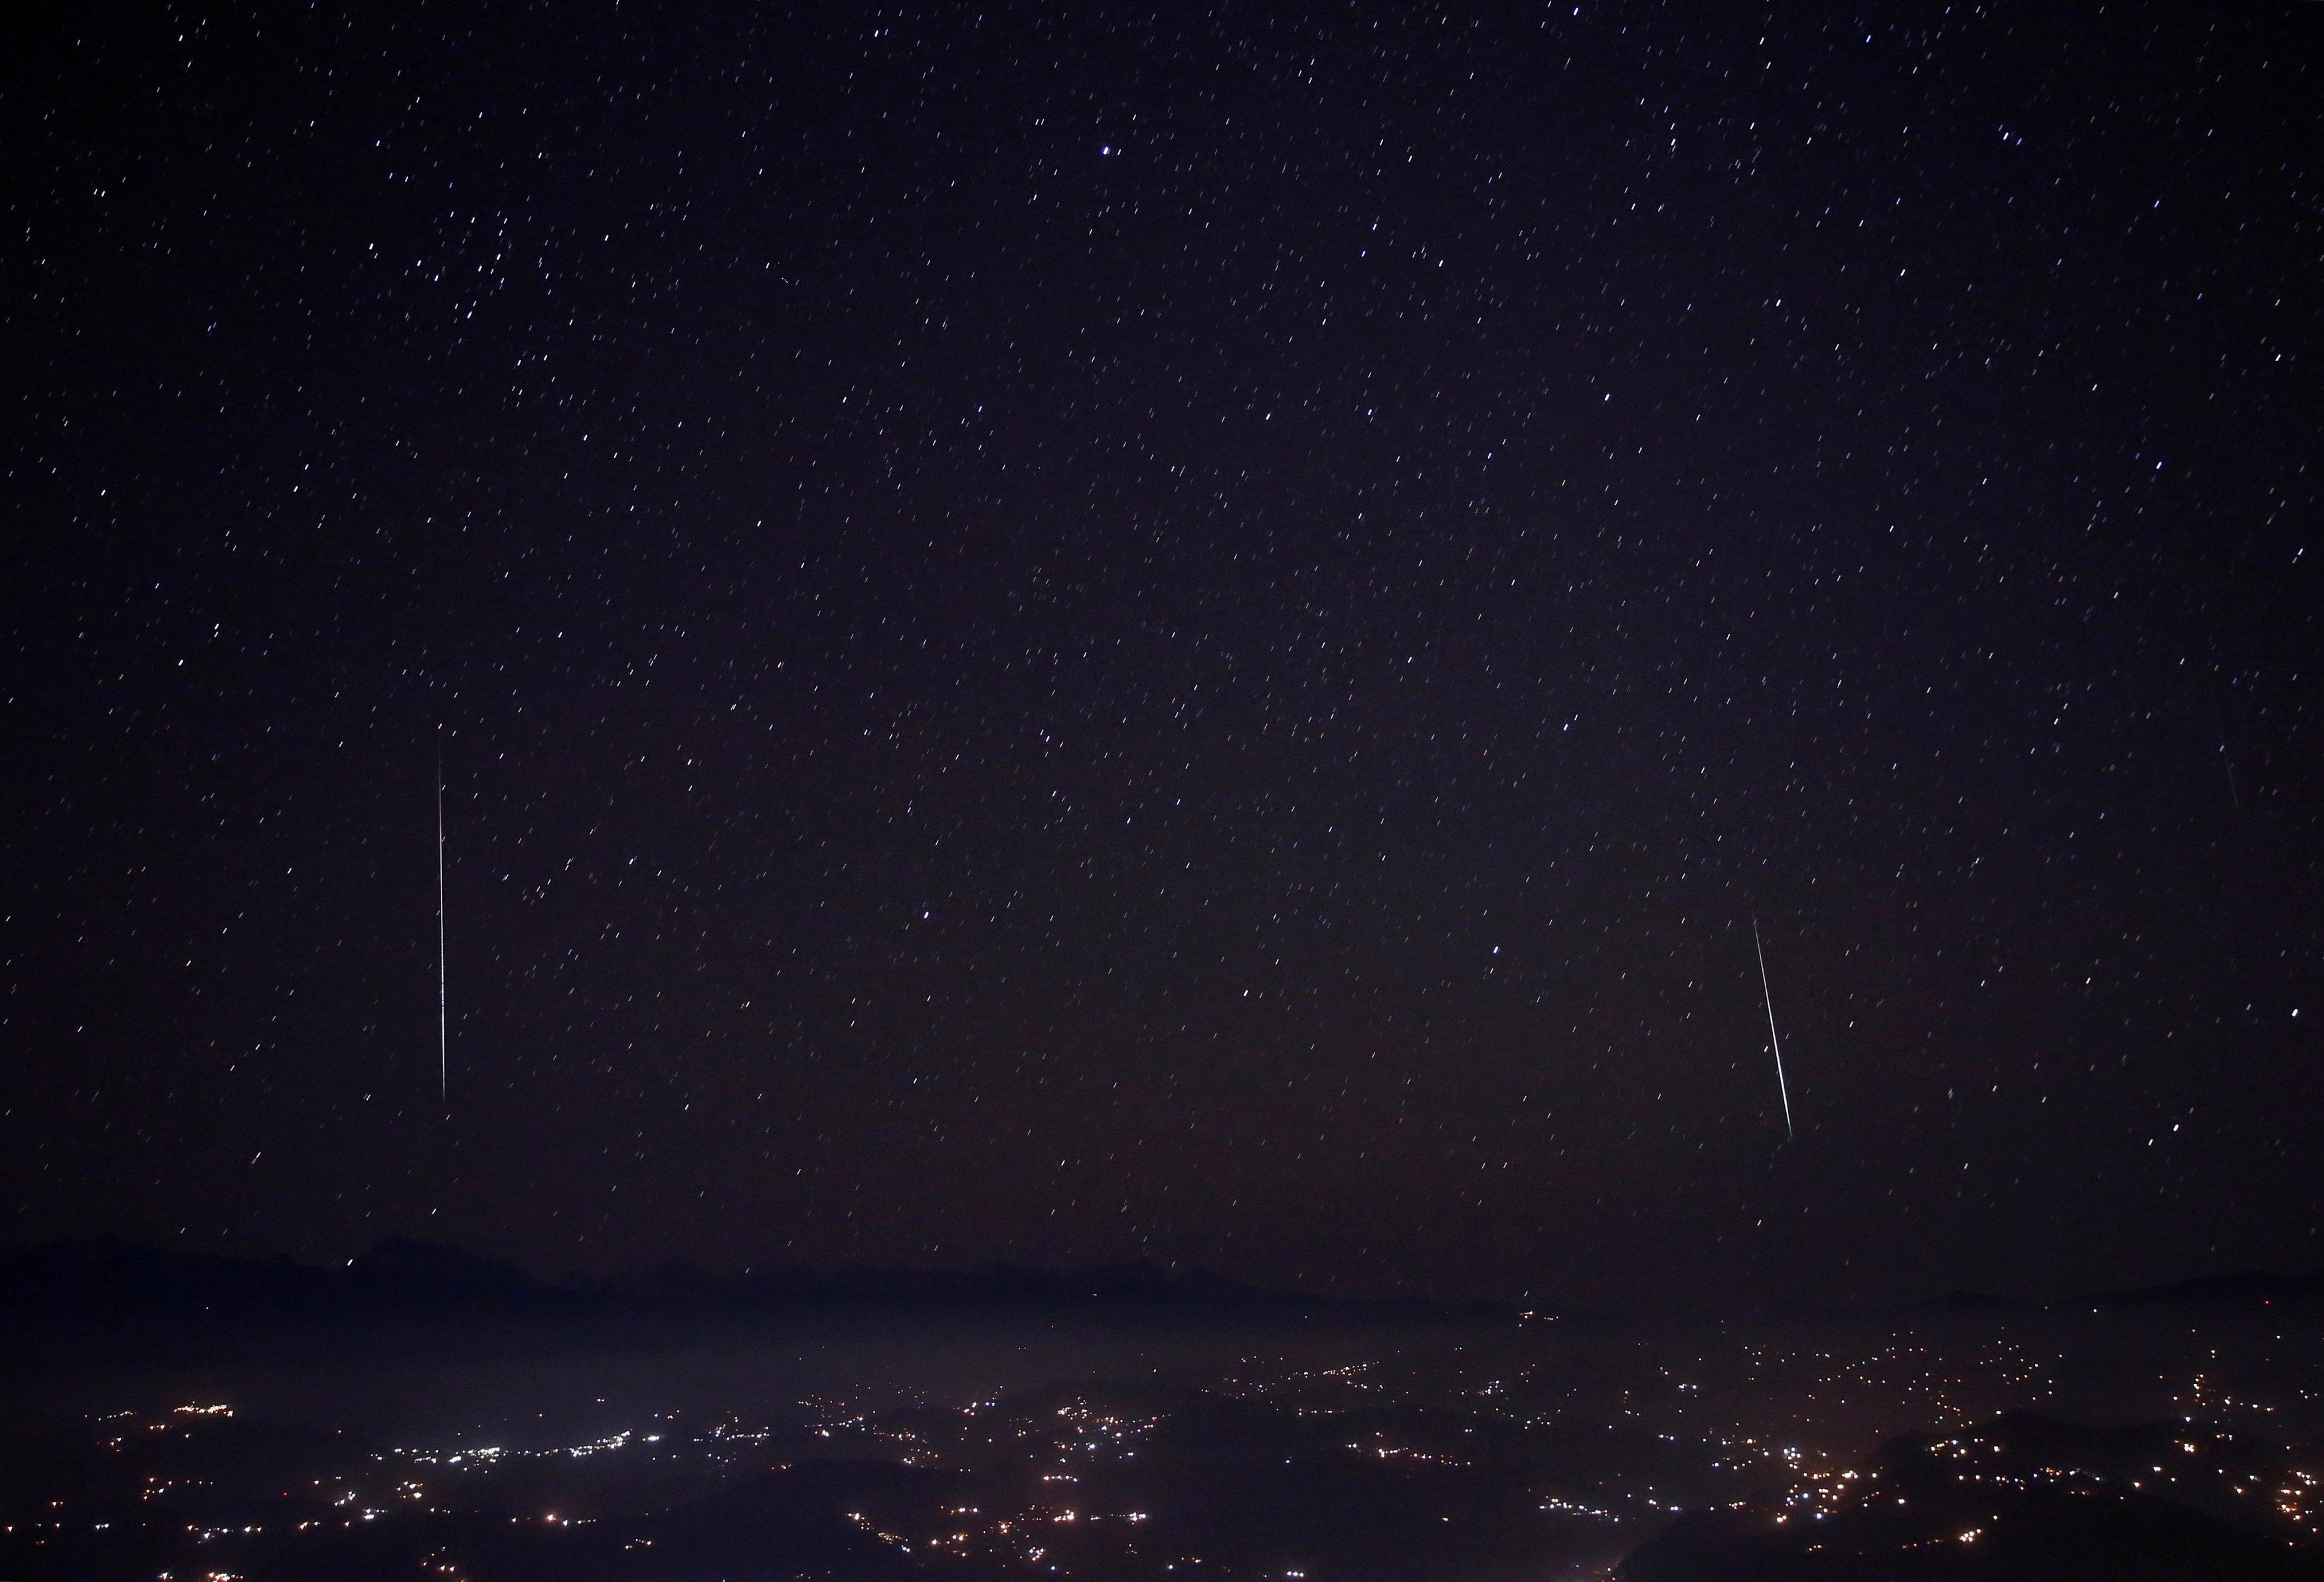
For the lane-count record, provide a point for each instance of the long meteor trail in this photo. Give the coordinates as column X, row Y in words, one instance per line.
column 443, row 1021
column 1774, row 1042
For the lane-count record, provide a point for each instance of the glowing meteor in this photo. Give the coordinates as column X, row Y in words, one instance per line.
column 1773, row 1041
column 443, row 1019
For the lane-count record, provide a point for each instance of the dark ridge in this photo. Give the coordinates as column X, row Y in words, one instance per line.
column 2249, row 1288
column 2246, row 1288
column 108, row 1284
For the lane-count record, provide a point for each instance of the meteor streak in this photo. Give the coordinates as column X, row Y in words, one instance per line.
column 443, row 1020
column 1773, row 1041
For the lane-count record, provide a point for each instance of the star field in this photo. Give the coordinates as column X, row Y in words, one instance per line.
column 1072, row 634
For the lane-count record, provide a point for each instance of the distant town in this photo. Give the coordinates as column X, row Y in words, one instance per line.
column 1107, row 1438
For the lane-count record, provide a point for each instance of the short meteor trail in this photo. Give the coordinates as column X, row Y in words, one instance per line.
column 443, row 1019
column 1774, row 1042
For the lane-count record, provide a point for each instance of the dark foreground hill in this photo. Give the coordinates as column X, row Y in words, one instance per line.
column 2023, row 1497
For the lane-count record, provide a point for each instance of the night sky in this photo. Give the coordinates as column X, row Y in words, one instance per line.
column 1066, row 634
